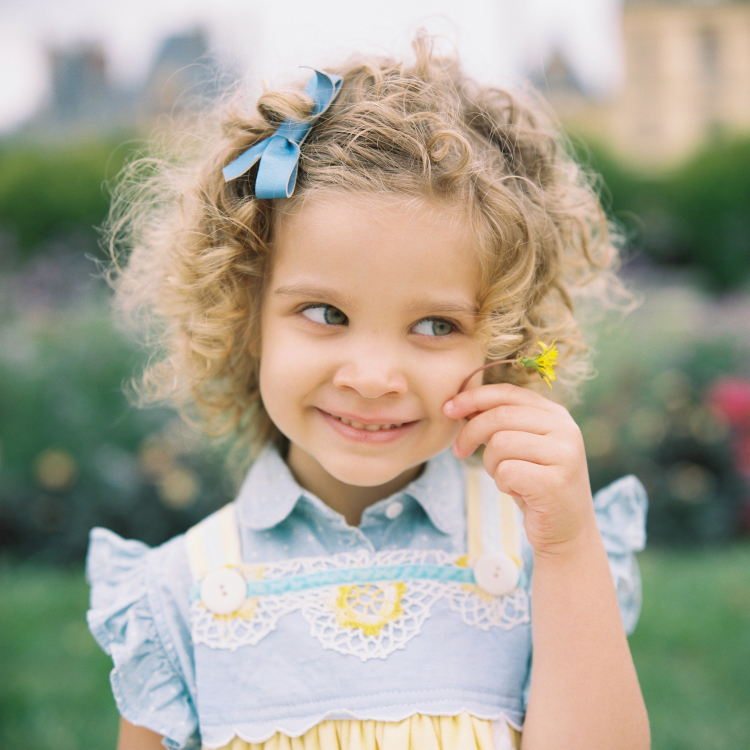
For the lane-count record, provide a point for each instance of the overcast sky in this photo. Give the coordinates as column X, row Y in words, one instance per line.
column 498, row 39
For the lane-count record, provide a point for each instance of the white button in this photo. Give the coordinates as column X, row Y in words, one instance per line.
column 394, row 510
column 496, row 573
column 223, row 591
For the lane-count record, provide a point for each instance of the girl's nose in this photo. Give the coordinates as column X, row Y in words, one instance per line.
column 372, row 376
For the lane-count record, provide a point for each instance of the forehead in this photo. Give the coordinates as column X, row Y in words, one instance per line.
column 373, row 245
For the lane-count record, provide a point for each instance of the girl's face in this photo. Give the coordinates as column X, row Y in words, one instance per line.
column 367, row 330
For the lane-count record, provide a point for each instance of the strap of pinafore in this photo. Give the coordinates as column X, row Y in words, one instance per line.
column 492, row 526
column 493, row 520
column 214, row 542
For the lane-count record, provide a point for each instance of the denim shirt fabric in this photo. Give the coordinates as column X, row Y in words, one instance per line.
column 140, row 615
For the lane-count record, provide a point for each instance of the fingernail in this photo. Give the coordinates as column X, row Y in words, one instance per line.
column 448, row 406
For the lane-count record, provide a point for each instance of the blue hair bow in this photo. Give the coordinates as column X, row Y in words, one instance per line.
column 279, row 153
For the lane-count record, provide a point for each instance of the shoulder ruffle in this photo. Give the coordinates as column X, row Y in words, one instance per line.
column 620, row 510
column 147, row 685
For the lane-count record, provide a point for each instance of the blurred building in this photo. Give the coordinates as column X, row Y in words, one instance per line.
column 686, row 78
column 184, row 75
column 84, row 101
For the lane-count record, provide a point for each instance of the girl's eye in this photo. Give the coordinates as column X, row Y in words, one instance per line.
column 325, row 314
column 434, row 327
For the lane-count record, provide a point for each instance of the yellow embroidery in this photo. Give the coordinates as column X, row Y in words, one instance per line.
column 369, row 607
column 247, row 611
column 252, row 571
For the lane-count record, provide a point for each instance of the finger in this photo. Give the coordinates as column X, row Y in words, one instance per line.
column 487, row 396
column 505, row 417
column 521, row 446
column 521, row 478
column 520, row 502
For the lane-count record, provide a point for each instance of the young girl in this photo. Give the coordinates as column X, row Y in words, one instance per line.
column 327, row 274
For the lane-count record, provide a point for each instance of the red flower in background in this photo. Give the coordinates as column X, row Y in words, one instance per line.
column 730, row 397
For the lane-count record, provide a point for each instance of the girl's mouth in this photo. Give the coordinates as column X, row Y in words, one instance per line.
column 378, row 433
column 368, row 427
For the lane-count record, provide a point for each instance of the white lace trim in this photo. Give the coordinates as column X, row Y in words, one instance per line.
column 367, row 620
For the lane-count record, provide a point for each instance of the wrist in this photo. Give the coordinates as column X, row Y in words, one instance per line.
column 586, row 539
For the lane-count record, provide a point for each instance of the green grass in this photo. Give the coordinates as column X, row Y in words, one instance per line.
column 691, row 649
column 54, row 687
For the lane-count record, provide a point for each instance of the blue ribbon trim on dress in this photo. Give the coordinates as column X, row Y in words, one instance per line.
column 279, row 154
column 386, row 573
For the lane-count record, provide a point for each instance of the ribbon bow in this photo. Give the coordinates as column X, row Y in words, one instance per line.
column 279, row 153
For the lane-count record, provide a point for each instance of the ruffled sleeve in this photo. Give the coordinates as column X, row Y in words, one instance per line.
column 620, row 510
column 147, row 683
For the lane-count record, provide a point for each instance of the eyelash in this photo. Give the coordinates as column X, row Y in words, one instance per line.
column 455, row 326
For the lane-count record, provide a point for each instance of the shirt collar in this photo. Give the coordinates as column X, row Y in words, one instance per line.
column 439, row 490
column 269, row 492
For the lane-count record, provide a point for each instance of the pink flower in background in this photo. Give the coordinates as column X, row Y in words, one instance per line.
column 731, row 398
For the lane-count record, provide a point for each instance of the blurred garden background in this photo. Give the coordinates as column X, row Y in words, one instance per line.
column 669, row 135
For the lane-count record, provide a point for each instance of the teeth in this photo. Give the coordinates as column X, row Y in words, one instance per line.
column 368, row 427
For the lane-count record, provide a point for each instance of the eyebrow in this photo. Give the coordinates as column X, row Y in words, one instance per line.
column 317, row 292
column 429, row 306
column 415, row 305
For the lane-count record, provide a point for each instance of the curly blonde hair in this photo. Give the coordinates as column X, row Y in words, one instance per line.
column 190, row 253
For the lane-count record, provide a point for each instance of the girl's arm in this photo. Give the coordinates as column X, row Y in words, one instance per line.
column 584, row 689
column 137, row 738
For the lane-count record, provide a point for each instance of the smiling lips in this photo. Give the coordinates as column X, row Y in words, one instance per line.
column 370, row 430
column 368, row 427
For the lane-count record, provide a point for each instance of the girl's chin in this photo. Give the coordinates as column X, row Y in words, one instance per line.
column 369, row 472
column 365, row 476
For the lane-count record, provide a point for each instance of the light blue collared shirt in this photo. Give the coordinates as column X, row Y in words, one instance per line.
column 141, row 615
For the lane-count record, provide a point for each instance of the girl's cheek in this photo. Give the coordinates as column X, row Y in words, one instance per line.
column 456, row 425
column 446, row 380
column 441, row 390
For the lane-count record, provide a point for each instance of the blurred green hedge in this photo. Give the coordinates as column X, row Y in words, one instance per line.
column 696, row 215
column 45, row 191
column 651, row 416
column 75, row 454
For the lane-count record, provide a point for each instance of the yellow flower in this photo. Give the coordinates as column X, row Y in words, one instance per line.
column 543, row 363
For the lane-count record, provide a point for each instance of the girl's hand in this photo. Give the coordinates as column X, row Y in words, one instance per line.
column 534, row 453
